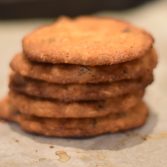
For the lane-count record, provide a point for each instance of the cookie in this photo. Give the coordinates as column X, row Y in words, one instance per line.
column 57, row 109
column 63, row 74
column 112, row 123
column 6, row 110
column 77, row 92
column 87, row 41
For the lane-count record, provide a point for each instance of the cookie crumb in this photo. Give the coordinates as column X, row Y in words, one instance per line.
column 51, row 146
column 16, row 140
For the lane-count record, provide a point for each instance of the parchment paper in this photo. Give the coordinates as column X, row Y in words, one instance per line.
column 144, row 147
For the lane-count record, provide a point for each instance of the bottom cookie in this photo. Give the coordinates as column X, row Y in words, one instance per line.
column 72, row 127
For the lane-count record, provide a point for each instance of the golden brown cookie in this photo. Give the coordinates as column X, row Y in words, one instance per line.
column 6, row 111
column 63, row 73
column 87, row 41
column 57, row 109
column 136, row 117
column 77, row 92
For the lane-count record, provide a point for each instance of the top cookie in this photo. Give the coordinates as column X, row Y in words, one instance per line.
column 87, row 41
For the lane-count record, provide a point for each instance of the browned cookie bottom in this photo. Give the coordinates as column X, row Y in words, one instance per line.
column 112, row 123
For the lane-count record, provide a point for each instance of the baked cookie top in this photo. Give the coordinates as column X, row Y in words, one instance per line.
column 87, row 40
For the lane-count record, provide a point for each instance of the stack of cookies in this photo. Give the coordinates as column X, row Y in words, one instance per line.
column 81, row 77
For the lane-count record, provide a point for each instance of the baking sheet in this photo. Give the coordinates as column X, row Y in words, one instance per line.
column 144, row 147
